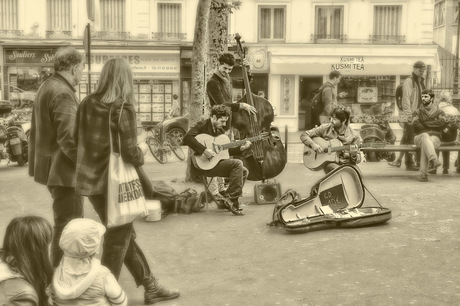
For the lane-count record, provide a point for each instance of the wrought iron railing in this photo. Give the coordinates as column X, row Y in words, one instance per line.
column 11, row 33
column 388, row 39
column 111, row 35
column 328, row 38
column 169, row 36
column 58, row 34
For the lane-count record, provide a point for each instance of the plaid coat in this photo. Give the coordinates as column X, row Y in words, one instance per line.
column 93, row 146
column 52, row 152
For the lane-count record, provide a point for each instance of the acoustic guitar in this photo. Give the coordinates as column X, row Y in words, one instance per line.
column 317, row 161
column 220, row 146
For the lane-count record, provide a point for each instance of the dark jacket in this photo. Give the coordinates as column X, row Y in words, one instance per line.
column 424, row 123
column 52, row 153
column 92, row 139
column 204, row 127
column 219, row 93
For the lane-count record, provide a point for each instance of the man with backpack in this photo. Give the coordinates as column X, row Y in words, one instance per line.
column 324, row 101
column 410, row 101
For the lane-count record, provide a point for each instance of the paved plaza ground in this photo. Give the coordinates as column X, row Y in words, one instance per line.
column 216, row 258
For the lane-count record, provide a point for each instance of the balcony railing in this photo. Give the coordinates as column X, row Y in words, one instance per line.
column 387, row 39
column 58, row 34
column 322, row 38
column 168, row 36
column 111, row 35
column 11, row 33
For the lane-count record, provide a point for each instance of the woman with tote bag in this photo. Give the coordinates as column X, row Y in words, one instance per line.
column 111, row 104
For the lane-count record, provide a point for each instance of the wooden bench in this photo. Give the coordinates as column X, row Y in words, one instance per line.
column 410, row 148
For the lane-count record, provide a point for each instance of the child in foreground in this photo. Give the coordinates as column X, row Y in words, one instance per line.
column 80, row 279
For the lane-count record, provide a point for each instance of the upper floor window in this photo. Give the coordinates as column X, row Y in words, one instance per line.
column 112, row 15
column 59, row 15
column 387, row 23
column 329, row 22
column 439, row 13
column 169, row 17
column 8, row 14
column 272, row 23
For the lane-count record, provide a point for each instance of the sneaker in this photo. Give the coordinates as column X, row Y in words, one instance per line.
column 432, row 171
column 396, row 163
column 433, row 164
column 423, row 178
column 445, row 171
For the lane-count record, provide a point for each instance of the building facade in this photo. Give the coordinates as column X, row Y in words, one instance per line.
column 292, row 45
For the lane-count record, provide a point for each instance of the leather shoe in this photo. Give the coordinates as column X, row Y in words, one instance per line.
column 445, row 171
column 432, row 171
column 423, row 178
column 396, row 163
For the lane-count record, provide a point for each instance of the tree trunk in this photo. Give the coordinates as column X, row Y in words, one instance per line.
column 198, row 84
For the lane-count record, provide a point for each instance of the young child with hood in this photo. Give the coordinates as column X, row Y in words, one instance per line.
column 80, row 279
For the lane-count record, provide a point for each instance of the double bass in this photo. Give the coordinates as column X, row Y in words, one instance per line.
column 267, row 157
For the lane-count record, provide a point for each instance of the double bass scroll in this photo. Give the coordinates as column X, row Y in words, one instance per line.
column 268, row 156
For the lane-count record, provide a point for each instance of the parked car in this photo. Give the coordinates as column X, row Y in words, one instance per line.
column 176, row 127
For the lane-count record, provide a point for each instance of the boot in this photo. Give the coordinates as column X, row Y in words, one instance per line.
column 155, row 293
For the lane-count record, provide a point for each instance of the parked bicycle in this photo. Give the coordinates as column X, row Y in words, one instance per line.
column 161, row 145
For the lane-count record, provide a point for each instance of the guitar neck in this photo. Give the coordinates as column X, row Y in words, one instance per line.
column 240, row 142
column 341, row 148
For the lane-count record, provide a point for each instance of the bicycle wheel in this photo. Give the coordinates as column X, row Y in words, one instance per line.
column 175, row 147
column 157, row 150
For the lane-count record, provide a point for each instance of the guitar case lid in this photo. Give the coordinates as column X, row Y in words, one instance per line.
column 335, row 200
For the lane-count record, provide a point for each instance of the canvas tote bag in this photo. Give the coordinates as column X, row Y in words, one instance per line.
column 125, row 197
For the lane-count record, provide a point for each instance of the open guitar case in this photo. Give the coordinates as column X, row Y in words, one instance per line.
column 335, row 200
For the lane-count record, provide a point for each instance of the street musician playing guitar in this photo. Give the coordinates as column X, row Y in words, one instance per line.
column 337, row 131
column 232, row 168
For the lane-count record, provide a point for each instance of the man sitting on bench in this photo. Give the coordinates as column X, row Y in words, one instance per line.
column 428, row 125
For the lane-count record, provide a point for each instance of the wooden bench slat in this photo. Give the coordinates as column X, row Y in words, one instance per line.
column 408, row 148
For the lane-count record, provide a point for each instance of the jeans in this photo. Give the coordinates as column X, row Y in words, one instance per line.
column 66, row 206
column 428, row 145
column 120, row 246
column 234, row 170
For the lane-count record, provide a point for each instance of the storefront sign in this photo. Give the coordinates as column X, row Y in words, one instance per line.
column 29, row 57
column 154, row 63
column 349, row 63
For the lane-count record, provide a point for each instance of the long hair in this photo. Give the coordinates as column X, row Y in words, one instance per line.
column 25, row 250
column 115, row 82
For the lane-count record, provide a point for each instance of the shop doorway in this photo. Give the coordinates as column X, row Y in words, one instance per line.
column 308, row 86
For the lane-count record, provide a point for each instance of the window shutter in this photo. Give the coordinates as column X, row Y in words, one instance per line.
column 59, row 15
column 169, row 18
column 8, row 14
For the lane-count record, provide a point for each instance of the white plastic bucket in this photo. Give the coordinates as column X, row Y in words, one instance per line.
column 154, row 208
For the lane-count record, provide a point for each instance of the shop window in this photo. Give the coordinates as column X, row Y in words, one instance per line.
column 112, row 15
column 373, row 95
column 272, row 23
column 8, row 14
column 439, row 13
column 387, row 23
column 329, row 23
column 59, row 18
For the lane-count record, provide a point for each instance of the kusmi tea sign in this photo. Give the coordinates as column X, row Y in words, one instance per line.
column 349, row 63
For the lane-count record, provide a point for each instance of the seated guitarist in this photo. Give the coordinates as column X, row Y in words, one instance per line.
column 339, row 129
column 232, row 168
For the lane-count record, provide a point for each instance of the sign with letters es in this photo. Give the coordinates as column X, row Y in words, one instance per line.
column 29, row 57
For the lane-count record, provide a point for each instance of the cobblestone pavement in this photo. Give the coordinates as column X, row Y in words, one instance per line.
column 215, row 258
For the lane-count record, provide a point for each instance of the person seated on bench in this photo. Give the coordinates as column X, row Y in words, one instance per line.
column 450, row 134
column 338, row 128
column 428, row 124
column 232, row 168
